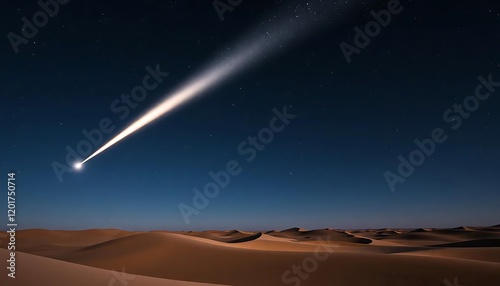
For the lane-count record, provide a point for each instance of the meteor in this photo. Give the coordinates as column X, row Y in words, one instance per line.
column 258, row 44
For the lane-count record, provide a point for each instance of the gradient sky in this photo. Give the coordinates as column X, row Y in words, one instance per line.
column 325, row 169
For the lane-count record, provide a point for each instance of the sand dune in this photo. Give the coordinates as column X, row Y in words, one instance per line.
column 231, row 236
column 306, row 235
column 37, row 270
column 348, row 257
column 491, row 254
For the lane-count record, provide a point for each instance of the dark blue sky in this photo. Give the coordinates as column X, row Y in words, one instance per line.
column 325, row 169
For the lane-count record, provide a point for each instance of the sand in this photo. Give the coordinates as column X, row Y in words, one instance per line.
column 382, row 257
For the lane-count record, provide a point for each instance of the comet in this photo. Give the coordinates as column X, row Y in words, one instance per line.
column 251, row 49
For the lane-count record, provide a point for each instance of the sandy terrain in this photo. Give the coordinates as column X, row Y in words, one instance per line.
column 382, row 257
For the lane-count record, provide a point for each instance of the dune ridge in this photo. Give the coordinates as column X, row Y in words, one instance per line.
column 234, row 257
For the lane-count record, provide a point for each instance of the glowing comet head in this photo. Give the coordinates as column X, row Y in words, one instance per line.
column 77, row 166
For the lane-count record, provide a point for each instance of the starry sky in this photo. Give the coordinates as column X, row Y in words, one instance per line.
column 325, row 168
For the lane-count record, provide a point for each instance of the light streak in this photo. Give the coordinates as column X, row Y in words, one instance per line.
column 253, row 48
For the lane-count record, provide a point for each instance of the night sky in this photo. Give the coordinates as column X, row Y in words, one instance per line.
column 324, row 169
